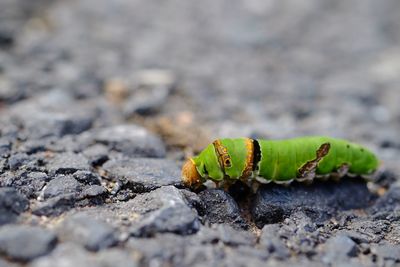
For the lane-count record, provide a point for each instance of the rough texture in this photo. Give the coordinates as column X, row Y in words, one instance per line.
column 11, row 205
column 24, row 243
column 320, row 200
column 101, row 102
column 143, row 175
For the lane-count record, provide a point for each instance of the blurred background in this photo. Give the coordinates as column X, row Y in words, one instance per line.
column 192, row 71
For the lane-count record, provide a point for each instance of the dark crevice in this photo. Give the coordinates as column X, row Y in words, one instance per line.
column 257, row 154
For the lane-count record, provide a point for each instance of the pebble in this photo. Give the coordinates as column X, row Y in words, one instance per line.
column 319, row 200
column 68, row 163
column 220, row 207
column 25, row 243
column 143, row 174
column 163, row 210
column 93, row 234
column 339, row 249
column 12, row 204
column 130, row 140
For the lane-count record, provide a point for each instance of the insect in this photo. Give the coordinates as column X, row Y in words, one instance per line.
column 226, row 161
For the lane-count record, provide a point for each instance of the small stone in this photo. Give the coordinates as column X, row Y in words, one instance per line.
column 18, row 160
column 28, row 183
column 94, row 190
column 61, row 185
column 97, row 154
column 70, row 255
column 130, row 140
column 24, row 243
column 12, row 204
column 143, row 174
column 93, row 234
column 369, row 230
column 163, row 210
column 68, row 163
column 220, row 207
column 56, row 205
column 87, row 177
column 233, row 237
column 270, row 239
column 5, row 148
column 339, row 249
column 319, row 200
column 387, row 252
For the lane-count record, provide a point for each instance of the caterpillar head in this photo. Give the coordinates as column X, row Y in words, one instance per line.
column 205, row 166
column 190, row 175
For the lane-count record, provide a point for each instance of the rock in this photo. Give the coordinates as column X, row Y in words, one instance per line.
column 93, row 234
column 68, row 163
column 146, row 102
column 220, row 207
column 5, row 147
column 97, row 154
column 24, row 243
column 55, row 205
column 18, row 160
column 367, row 231
column 386, row 252
column 52, row 114
column 62, row 185
column 87, row 177
column 233, row 237
column 12, row 204
column 338, row 249
column 388, row 202
column 143, row 174
column 319, row 200
column 270, row 239
column 70, row 255
column 130, row 140
column 28, row 183
column 163, row 210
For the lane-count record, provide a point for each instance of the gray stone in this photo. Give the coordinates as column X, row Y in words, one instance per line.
column 87, row 177
column 93, row 234
column 24, row 243
column 5, row 147
column 339, row 249
column 163, row 210
column 28, row 183
column 68, row 163
column 388, row 202
column 234, row 237
column 56, row 205
column 143, row 174
column 386, row 252
column 70, row 255
column 61, row 185
column 220, row 207
column 162, row 249
column 271, row 240
column 18, row 160
column 12, row 204
column 366, row 231
column 97, row 154
column 319, row 200
column 53, row 114
column 130, row 140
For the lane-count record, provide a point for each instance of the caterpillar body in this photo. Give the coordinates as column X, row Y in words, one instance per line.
column 281, row 161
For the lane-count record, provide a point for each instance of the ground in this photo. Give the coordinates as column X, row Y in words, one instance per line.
column 101, row 101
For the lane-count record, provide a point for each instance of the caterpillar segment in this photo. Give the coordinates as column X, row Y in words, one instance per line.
column 303, row 159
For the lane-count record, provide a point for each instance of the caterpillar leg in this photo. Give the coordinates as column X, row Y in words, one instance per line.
column 342, row 171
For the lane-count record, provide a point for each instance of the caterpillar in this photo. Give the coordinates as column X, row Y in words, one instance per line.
column 226, row 161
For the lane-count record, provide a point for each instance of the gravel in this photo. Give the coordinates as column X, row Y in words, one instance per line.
column 101, row 102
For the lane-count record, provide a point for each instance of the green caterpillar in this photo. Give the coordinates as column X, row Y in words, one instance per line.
column 281, row 161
